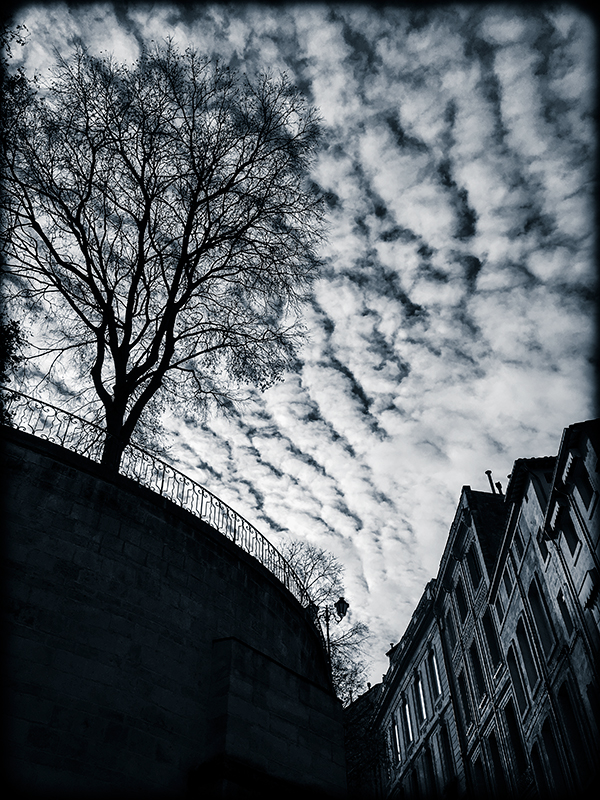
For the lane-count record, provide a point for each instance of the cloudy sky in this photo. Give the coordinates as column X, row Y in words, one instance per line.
column 452, row 328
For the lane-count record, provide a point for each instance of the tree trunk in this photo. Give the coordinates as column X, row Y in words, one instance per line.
column 112, row 453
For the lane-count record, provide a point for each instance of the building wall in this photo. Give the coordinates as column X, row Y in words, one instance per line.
column 146, row 651
column 516, row 602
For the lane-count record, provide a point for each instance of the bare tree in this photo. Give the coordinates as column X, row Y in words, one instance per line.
column 322, row 574
column 159, row 220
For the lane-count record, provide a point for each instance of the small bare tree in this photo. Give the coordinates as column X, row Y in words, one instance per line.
column 322, row 574
column 159, row 219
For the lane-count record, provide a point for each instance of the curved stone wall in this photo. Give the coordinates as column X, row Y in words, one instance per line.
column 146, row 651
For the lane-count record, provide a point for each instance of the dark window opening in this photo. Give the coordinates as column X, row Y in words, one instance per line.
column 447, row 753
column 525, row 647
column 479, row 778
column 507, row 581
column 473, row 565
column 564, row 612
column 554, row 761
column 477, row 672
column 582, row 482
column 574, row 735
column 540, row 615
column 568, row 529
column 514, row 737
column 450, row 631
column 462, row 602
column 491, row 638
column 464, row 697
column 538, row 772
column 499, row 608
column 429, row 773
column 499, row 778
column 517, row 683
column 518, row 543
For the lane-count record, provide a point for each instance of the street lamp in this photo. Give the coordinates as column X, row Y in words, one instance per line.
column 341, row 607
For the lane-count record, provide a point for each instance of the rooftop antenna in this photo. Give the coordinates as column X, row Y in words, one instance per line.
column 488, row 472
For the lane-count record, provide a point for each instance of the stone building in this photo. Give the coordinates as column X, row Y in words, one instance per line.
column 493, row 689
column 157, row 644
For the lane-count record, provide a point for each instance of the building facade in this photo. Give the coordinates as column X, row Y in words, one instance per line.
column 493, row 689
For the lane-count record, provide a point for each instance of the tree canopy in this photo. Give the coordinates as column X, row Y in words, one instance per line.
column 159, row 221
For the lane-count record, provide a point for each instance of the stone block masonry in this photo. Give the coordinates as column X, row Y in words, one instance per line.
column 146, row 653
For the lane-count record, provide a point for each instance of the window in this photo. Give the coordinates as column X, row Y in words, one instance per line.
column 421, row 710
column 499, row 608
column 514, row 737
column 540, row 615
column 461, row 600
column 565, row 613
column 447, row 753
column 464, row 697
column 517, row 682
column 574, row 734
column 525, row 647
column 507, row 580
column 429, row 773
column 519, row 547
column 479, row 778
column 566, row 525
column 541, row 543
column 494, row 750
column 450, row 631
column 407, row 723
column 492, row 639
column 538, row 772
column 553, row 758
column 434, row 675
column 473, row 565
column 477, row 672
column 396, row 741
column 582, row 482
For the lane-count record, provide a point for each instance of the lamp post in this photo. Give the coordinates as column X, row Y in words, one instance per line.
column 341, row 607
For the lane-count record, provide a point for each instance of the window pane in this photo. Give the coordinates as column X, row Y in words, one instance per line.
column 541, row 618
column 461, row 600
column 491, row 638
column 517, row 683
column 450, row 630
column 524, row 646
column 477, row 671
column 518, row 543
column 464, row 696
column 436, row 686
column 473, row 565
column 507, row 581
column 499, row 609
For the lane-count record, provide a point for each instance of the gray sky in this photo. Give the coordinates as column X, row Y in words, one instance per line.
column 452, row 328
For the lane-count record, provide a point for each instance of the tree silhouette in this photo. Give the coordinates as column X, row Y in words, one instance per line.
column 159, row 221
column 322, row 574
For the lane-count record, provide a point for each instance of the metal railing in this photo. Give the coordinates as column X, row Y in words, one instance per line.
column 80, row 436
